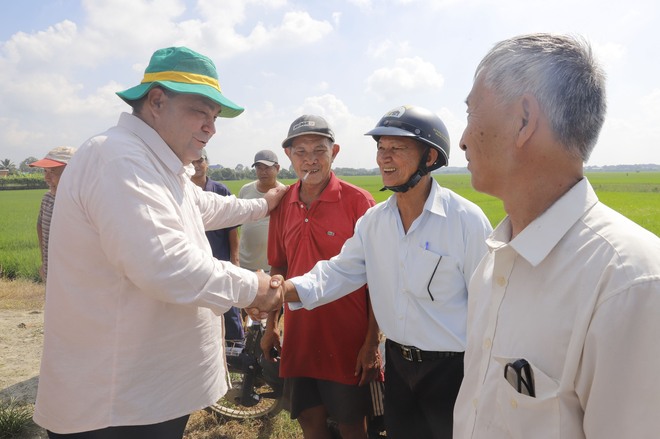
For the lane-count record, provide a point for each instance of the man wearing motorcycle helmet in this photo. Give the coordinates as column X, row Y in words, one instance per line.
column 416, row 251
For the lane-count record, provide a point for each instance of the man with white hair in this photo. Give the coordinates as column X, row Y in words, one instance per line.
column 563, row 312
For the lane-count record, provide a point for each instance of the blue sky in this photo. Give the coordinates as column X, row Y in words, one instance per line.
column 61, row 61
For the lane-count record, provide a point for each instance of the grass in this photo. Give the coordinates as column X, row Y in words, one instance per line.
column 15, row 418
column 635, row 195
column 19, row 246
column 21, row 294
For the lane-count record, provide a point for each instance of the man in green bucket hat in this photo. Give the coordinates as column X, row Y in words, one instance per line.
column 133, row 338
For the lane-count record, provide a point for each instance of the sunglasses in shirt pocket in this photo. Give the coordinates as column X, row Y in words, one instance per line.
column 526, row 416
column 433, row 277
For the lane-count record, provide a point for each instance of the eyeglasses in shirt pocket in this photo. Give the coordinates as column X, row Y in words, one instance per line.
column 433, row 277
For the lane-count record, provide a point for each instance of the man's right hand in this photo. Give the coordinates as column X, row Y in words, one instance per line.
column 268, row 298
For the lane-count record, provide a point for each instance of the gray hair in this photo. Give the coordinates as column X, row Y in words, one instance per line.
column 562, row 74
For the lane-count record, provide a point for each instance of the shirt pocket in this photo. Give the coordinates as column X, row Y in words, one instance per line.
column 524, row 416
column 433, row 277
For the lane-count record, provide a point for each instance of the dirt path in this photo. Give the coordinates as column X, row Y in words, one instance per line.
column 21, row 339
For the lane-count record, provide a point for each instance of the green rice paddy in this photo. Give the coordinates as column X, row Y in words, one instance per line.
column 635, row 195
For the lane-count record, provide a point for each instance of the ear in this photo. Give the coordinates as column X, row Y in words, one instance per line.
column 335, row 150
column 433, row 156
column 155, row 98
column 287, row 151
column 528, row 113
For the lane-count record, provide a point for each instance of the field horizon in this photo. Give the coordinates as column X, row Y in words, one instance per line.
column 636, row 195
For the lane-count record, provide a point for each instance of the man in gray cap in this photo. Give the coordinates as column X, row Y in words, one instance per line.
column 132, row 337
column 254, row 235
column 330, row 354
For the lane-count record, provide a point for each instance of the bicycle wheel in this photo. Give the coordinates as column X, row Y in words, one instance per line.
column 268, row 402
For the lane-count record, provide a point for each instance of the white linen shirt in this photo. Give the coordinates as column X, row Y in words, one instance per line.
column 577, row 294
column 131, row 334
column 403, row 270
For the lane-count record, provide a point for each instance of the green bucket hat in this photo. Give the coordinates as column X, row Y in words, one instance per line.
column 183, row 71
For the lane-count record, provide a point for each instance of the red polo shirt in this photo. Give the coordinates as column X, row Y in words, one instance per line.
column 322, row 343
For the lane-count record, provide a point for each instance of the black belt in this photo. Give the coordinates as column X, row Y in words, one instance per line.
column 411, row 353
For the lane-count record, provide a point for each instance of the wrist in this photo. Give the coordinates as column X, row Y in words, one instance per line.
column 289, row 292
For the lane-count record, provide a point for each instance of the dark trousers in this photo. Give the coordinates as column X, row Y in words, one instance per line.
column 234, row 324
column 420, row 396
column 172, row 429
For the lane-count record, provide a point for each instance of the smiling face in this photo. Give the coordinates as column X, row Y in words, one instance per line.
column 312, row 154
column 488, row 140
column 398, row 159
column 186, row 122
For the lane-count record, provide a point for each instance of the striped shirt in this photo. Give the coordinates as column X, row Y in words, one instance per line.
column 45, row 214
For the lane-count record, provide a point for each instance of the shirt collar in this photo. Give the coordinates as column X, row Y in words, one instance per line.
column 435, row 202
column 208, row 186
column 538, row 239
column 330, row 193
column 154, row 142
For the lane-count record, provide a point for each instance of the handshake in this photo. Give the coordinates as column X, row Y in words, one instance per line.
column 270, row 295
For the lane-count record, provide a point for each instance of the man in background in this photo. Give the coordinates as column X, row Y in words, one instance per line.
column 563, row 321
column 53, row 165
column 254, row 235
column 224, row 246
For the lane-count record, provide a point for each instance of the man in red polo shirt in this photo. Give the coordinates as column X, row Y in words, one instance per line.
column 330, row 353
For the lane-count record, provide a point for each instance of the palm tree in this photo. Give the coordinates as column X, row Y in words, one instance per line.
column 8, row 165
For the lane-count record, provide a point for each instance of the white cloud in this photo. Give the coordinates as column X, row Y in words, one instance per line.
column 350, row 61
column 408, row 74
column 608, row 53
column 364, row 5
column 387, row 48
column 336, row 18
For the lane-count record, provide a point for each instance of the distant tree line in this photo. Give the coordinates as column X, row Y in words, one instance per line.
column 17, row 174
column 241, row 172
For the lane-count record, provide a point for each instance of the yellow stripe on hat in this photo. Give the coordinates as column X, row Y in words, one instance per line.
column 184, row 77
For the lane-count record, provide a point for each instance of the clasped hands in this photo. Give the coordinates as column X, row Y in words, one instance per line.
column 270, row 296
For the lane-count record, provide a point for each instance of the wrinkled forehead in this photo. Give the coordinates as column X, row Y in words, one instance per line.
column 311, row 141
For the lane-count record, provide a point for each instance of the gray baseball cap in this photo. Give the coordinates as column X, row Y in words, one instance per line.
column 308, row 124
column 266, row 156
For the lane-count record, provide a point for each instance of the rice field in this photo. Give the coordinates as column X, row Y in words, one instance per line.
column 635, row 195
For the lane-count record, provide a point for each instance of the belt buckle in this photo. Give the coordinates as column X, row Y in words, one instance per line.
column 406, row 353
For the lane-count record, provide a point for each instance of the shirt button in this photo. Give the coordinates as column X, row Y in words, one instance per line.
column 306, row 220
column 514, row 404
column 501, row 281
column 487, row 343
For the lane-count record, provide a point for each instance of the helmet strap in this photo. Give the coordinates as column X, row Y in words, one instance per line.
column 422, row 170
